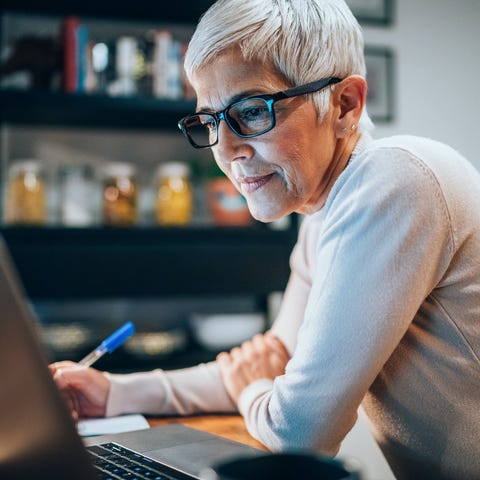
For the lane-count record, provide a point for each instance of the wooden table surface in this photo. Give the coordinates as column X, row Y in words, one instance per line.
column 228, row 426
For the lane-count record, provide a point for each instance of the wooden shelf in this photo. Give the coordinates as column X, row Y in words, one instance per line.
column 188, row 12
column 142, row 262
column 82, row 110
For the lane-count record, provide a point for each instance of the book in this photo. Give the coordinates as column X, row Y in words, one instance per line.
column 70, row 53
column 161, row 49
column 81, row 34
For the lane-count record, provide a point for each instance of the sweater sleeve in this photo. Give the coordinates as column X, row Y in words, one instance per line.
column 290, row 315
column 384, row 244
column 200, row 389
column 176, row 392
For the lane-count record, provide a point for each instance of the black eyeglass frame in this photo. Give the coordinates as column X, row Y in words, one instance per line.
column 269, row 99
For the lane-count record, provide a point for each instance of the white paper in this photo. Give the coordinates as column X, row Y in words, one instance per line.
column 103, row 426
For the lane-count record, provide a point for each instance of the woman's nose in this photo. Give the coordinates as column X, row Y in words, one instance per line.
column 230, row 146
column 224, row 132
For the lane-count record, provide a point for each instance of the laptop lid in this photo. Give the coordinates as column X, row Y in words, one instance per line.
column 38, row 438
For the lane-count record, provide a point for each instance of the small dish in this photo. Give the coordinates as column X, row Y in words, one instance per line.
column 66, row 338
column 154, row 344
column 217, row 332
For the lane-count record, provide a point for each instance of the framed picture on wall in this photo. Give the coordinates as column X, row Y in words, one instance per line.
column 379, row 12
column 380, row 78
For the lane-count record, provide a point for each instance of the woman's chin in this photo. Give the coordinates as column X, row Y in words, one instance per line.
column 265, row 215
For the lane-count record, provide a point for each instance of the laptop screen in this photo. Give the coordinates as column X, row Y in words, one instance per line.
column 38, row 438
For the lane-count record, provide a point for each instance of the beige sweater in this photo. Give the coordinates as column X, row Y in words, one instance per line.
column 382, row 309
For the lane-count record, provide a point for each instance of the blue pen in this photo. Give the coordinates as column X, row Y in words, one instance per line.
column 109, row 344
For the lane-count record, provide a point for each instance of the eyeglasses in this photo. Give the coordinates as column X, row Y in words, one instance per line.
column 247, row 118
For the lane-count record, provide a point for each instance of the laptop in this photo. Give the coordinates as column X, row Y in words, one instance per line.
column 38, row 438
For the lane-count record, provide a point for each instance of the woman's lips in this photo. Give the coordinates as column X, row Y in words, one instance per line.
column 251, row 184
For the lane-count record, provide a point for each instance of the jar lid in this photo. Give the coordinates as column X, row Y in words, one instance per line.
column 82, row 169
column 173, row 169
column 27, row 165
column 119, row 169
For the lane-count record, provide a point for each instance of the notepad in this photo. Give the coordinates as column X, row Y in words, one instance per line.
column 89, row 427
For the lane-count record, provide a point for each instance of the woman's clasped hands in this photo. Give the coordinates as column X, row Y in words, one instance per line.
column 263, row 357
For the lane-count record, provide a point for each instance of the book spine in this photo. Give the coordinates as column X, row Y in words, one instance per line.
column 82, row 55
column 174, row 71
column 70, row 56
column 162, row 42
column 187, row 89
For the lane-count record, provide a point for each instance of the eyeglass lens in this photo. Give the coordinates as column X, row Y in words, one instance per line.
column 247, row 117
column 201, row 129
column 250, row 116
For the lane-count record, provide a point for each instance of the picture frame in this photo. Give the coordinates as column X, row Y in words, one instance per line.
column 380, row 79
column 375, row 12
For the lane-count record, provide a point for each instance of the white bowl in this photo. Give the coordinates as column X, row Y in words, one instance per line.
column 217, row 332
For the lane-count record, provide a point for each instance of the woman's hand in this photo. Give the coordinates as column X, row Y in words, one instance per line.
column 84, row 389
column 264, row 356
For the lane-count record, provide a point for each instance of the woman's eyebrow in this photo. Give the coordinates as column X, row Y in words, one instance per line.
column 233, row 99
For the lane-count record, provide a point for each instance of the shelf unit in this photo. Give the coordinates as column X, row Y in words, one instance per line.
column 41, row 108
column 75, row 263
column 188, row 11
column 143, row 262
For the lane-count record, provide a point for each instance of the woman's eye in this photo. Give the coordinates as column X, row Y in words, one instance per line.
column 252, row 114
column 209, row 124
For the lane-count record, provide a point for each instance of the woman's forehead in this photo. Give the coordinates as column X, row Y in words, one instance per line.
column 230, row 75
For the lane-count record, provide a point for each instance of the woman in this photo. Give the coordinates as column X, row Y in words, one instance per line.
column 383, row 302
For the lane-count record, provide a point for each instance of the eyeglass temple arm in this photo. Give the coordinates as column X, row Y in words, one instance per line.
column 308, row 88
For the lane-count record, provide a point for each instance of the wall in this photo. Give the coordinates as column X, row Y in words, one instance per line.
column 437, row 70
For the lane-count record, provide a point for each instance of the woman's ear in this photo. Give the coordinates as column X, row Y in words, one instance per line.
column 349, row 97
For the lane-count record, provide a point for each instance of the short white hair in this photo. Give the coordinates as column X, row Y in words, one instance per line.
column 305, row 40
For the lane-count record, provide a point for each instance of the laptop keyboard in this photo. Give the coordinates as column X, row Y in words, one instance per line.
column 114, row 462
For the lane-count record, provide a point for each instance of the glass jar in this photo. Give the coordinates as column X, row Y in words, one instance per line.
column 77, row 195
column 119, row 199
column 173, row 205
column 26, row 199
column 227, row 205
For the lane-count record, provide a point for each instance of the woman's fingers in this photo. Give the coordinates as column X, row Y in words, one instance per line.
column 85, row 389
column 262, row 357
